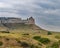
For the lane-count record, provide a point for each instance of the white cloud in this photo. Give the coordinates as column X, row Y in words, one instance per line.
column 7, row 14
column 5, row 5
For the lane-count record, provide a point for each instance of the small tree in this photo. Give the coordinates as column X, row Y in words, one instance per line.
column 49, row 33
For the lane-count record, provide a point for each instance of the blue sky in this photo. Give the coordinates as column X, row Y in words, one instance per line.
column 45, row 12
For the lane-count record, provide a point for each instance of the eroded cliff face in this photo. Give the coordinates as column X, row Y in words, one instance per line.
column 17, row 20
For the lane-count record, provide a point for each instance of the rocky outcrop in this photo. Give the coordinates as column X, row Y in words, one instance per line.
column 17, row 20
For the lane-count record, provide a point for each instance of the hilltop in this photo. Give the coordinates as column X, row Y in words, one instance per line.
column 29, row 20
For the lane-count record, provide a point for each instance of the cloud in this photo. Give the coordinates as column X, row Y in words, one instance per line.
column 4, row 5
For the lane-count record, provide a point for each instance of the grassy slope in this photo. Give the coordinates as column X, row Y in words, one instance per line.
column 33, row 30
column 23, row 28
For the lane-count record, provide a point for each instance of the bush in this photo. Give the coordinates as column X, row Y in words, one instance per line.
column 1, row 43
column 19, row 42
column 26, row 34
column 49, row 33
column 55, row 45
column 33, row 46
column 42, row 40
column 5, row 31
column 24, row 44
column 40, row 44
column 37, row 37
column 7, row 39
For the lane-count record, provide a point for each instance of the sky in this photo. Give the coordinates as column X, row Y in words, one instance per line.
column 45, row 12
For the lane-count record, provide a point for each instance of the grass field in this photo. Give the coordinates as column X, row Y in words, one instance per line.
column 22, row 36
column 28, row 37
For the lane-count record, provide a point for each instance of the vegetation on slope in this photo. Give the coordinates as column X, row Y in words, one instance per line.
column 28, row 36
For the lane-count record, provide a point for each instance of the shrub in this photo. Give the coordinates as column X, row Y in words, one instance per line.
column 55, row 45
column 19, row 42
column 49, row 33
column 1, row 43
column 40, row 44
column 42, row 40
column 24, row 44
column 5, row 31
column 33, row 46
column 37, row 37
column 26, row 34
column 7, row 39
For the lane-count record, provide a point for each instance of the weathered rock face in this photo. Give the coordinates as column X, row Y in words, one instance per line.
column 17, row 20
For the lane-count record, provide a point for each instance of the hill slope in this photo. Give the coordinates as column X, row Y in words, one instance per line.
column 21, row 28
column 27, row 36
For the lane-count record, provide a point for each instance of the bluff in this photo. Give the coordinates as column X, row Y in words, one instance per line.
column 17, row 20
column 19, row 25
